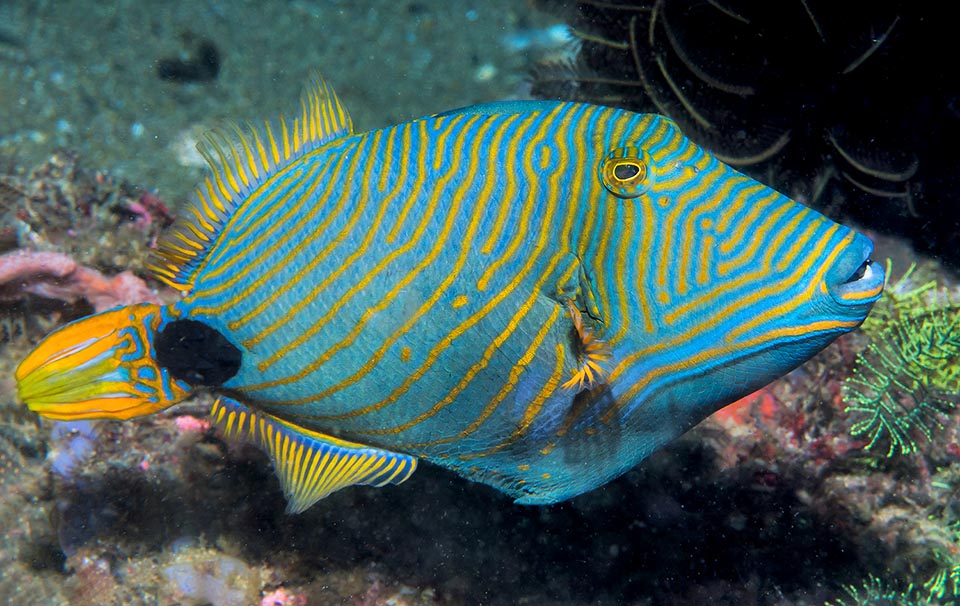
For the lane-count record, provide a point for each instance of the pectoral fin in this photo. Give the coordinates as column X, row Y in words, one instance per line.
column 311, row 465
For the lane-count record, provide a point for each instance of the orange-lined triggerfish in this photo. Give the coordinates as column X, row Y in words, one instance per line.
column 536, row 295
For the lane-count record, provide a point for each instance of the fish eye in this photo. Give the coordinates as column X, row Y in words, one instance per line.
column 625, row 172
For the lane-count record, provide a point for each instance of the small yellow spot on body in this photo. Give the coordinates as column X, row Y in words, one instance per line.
column 544, row 157
column 547, row 449
column 545, row 476
column 523, row 467
column 459, row 302
column 405, row 354
column 663, row 297
column 591, row 431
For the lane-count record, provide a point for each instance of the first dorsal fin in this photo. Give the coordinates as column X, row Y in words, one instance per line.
column 237, row 168
column 311, row 465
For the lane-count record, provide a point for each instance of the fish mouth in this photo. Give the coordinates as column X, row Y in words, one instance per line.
column 857, row 279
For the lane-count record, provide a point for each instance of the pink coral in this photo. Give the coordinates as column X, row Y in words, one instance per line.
column 282, row 597
column 147, row 209
column 191, row 424
column 57, row 276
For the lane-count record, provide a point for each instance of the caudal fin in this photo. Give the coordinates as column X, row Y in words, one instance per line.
column 100, row 367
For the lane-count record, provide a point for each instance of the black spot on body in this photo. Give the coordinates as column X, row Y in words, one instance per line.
column 196, row 353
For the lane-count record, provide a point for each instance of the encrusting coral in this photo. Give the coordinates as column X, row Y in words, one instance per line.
column 57, row 276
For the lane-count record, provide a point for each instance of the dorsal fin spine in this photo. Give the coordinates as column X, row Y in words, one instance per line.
column 239, row 163
column 201, row 214
column 237, row 168
column 261, row 152
column 225, row 166
column 212, row 197
column 217, row 174
column 272, row 142
column 307, row 124
column 315, row 122
column 285, row 133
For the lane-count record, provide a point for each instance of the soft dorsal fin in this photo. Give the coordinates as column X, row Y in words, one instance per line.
column 311, row 465
column 237, row 167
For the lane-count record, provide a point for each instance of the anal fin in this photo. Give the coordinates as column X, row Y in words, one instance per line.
column 311, row 465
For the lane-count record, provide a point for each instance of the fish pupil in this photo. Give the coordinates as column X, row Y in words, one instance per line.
column 196, row 353
column 626, row 171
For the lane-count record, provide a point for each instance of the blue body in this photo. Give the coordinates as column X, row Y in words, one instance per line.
column 405, row 288
column 536, row 295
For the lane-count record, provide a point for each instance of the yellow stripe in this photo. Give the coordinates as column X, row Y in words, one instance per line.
column 492, row 405
column 533, row 409
column 452, row 214
column 750, row 236
column 509, row 198
column 709, row 298
column 646, row 256
column 492, row 349
column 531, row 258
column 709, row 323
column 780, row 310
column 610, row 212
column 730, row 345
column 303, row 271
column 719, row 352
column 418, row 183
column 259, row 204
column 744, row 225
column 864, row 295
column 692, row 197
column 231, row 231
column 240, row 267
column 388, row 162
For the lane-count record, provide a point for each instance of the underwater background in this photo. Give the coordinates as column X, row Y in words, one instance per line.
column 834, row 485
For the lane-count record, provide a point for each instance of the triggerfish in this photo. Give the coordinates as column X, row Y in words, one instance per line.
column 534, row 294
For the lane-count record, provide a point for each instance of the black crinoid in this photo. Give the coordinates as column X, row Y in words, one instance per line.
column 853, row 106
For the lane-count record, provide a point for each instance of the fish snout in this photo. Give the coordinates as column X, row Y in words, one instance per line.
column 856, row 280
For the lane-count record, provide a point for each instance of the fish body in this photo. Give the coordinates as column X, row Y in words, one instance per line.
column 536, row 295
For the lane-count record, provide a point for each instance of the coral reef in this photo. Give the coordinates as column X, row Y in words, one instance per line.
column 56, row 276
column 213, row 579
